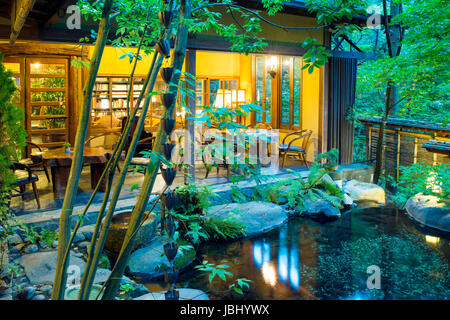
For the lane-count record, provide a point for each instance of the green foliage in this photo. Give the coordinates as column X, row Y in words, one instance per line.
column 192, row 204
column 12, row 132
column 125, row 291
column 213, row 270
column 420, row 73
column 47, row 237
column 295, row 191
column 424, row 178
column 193, row 199
column 220, row 270
column 221, row 229
column 104, row 262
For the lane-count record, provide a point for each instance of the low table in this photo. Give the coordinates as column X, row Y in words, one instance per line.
column 60, row 162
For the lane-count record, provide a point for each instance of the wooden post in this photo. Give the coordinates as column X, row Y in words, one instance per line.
column 19, row 13
column 189, row 140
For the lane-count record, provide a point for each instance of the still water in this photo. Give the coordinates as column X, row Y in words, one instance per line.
column 308, row 260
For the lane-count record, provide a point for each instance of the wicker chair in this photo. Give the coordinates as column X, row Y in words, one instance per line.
column 107, row 140
column 287, row 148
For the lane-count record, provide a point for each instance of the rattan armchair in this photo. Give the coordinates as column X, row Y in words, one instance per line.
column 287, row 147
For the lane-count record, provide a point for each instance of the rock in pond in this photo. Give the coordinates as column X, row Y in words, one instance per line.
column 40, row 267
column 150, row 262
column 258, row 217
column 321, row 209
column 429, row 212
column 185, row 294
column 362, row 191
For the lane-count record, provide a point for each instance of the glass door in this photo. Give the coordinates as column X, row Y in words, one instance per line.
column 46, row 101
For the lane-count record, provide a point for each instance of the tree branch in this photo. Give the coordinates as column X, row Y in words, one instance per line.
column 256, row 14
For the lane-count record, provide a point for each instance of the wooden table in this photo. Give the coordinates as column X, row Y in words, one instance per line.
column 60, row 162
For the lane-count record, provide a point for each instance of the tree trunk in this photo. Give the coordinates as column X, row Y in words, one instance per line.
column 77, row 161
column 380, row 153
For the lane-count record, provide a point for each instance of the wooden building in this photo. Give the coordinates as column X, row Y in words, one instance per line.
column 40, row 49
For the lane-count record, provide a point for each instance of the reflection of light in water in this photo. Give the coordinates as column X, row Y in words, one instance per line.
column 257, row 253
column 293, row 267
column 283, row 255
column 269, row 274
column 266, row 253
column 358, row 296
column 261, row 253
column 431, row 239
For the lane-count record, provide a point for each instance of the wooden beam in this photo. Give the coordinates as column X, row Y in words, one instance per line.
column 20, row 11
column 34, row 48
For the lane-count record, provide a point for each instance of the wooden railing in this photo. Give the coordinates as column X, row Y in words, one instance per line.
column 404, row 142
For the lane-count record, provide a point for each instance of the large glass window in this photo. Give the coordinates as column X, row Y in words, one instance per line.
column 263, row 89
column 285, row 71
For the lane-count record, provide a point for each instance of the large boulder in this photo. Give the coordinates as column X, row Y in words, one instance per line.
column 362, row 191
column 150, row 262
column 185, row 294
column 429, row 211
column 258, row 217
column 40, row 267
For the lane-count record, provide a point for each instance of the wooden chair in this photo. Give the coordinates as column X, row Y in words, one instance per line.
column 107, row 140
column 139, row 160
column 35, row 162
column 290, row 149
column 204, row 144
column 24, row 176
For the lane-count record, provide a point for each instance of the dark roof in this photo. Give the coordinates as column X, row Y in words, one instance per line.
column 409, row 124
column 46, row 20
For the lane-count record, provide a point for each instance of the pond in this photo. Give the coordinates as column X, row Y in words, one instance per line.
column 308, row 260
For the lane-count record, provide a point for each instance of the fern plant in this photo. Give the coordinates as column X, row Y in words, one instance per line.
column 314, row 187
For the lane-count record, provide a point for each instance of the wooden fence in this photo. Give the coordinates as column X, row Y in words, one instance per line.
column 403, row 142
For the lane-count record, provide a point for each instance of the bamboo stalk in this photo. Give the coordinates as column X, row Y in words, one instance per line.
column 77, row 162
column 153, row 166
column 118, row 150
column 97, row 244
column 94, row 256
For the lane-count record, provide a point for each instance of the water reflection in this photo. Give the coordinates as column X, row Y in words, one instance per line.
column 307, row 260
column 287, row 267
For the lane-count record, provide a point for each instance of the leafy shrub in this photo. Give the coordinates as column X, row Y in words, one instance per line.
column 424, row 178
column 295, row 191
column 190, row 211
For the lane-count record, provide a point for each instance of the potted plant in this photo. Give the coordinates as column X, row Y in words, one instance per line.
column 330, row 160
column 67, row 147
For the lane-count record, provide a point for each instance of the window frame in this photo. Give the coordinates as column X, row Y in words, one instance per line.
column 276, row 96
